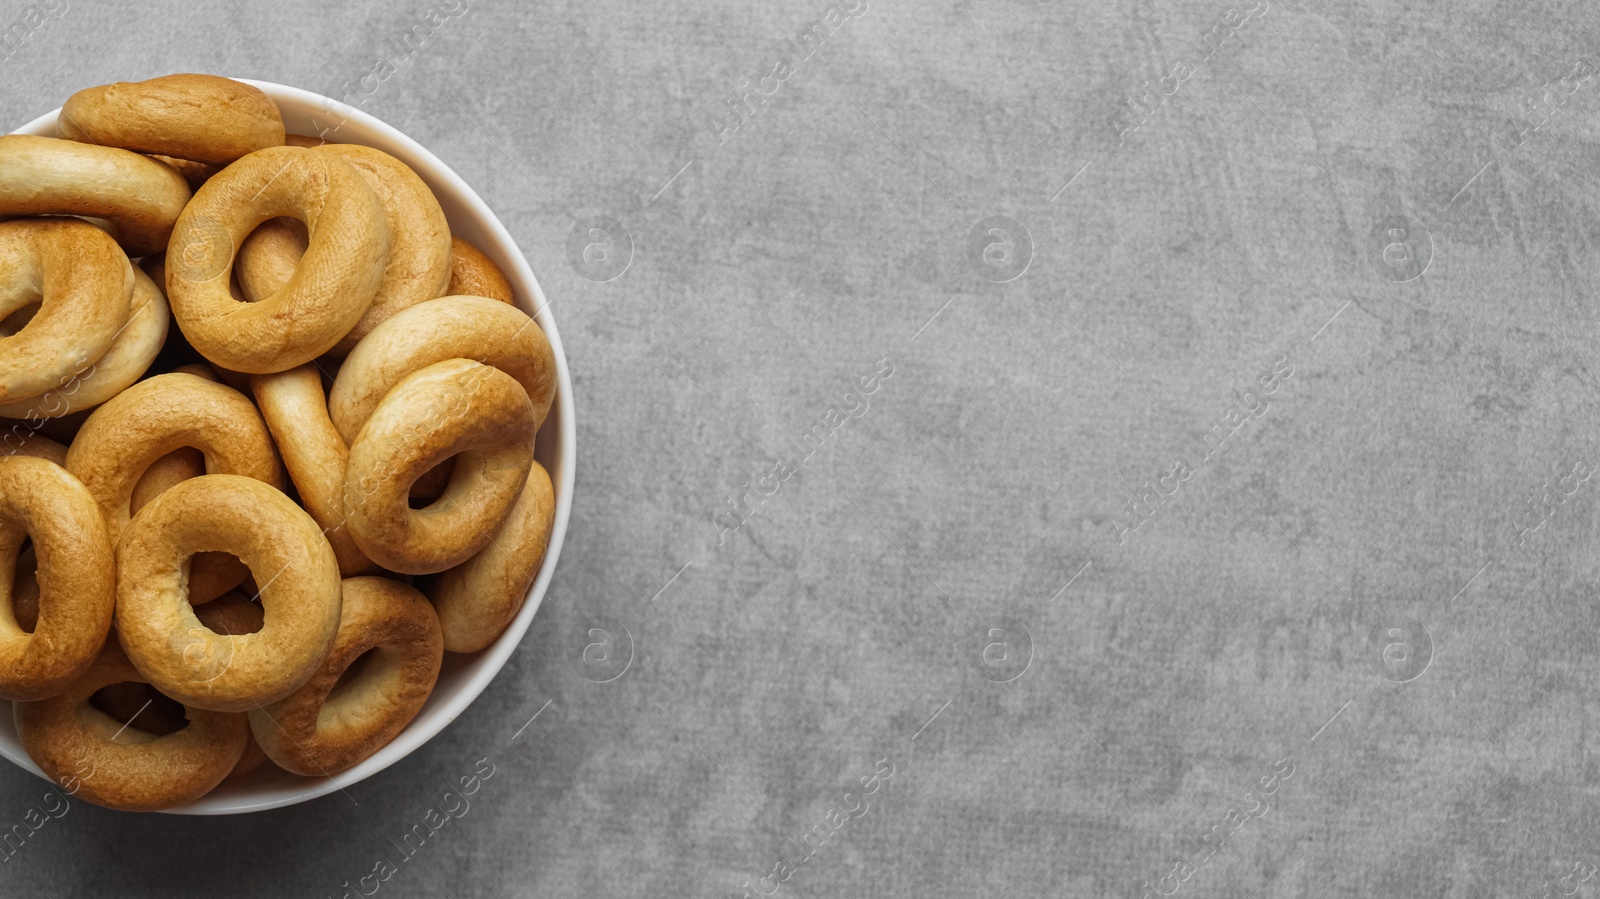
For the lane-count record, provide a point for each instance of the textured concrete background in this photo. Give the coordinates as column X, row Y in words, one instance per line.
column 1407, row 464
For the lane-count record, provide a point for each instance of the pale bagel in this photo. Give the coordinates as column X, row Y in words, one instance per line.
column 139, row 197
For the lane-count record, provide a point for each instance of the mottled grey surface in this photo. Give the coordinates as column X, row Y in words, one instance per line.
column 1393, row 475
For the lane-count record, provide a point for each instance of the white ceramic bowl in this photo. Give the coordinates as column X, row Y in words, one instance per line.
column 463, row 677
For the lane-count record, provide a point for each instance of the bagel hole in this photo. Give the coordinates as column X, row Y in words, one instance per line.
column 19, row 319
column 353, row 673
column 212, row 574
column 141, row 707
column 428, row 488
column 25, row 589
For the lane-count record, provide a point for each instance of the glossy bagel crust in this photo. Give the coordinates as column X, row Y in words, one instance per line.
column 202, row 118
column 132, row 351
column 478, row 599
column 140, row 197
column 122, row 767
column 459, row 408
column 76, row 576
column 285, row 551
column 331, row 289
column 296, row 411
column 84, row 286
column 322, row 729
column 475, row 328
column 151, row 419
column 474, row 274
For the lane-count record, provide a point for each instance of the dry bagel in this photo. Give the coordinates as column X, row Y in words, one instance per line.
column 124, row 437
column 139, row 197
column 419, row 262
column 327, row 726
column 474, row 328
column 287, row 555
column 84, row 286
column 119, row 766
column 296, row 411
column 210, row 574
column 478, row 599
column 76, row 576
column 201, row 118
column 456, row 408
column 132, row 351
column 474, row 274
column 331, row 289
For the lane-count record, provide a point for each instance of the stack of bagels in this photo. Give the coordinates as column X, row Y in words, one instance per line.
column 266, row 444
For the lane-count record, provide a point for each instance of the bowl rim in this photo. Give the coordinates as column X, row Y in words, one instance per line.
column 486, row 663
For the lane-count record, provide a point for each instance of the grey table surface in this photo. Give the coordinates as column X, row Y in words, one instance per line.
column 1344, row 648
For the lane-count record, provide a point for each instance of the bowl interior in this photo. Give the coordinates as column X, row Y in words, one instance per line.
column 462, row 677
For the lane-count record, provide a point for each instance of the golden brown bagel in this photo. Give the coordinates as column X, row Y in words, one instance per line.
column 139, row 197
column 288, row 556
column 478, row 599
column 123, row 767
column 474, row 274
column 132, row 351
column 83, row 284
column 332, row 288
column 419, row 261
column 124, row 437
column 296, row 411
column 203, row 118
column 457, row 408
column 210, row 574
column 474, row 328
column 326, row 726
column 76, row 573
column 302, row 140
